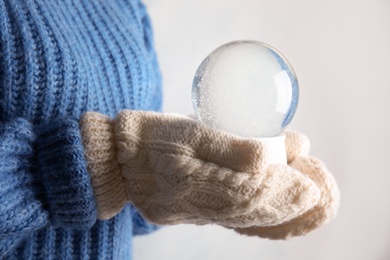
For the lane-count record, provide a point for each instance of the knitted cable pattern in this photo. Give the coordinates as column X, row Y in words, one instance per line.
column 60, row 195
column 322, row 212
column 179, row 171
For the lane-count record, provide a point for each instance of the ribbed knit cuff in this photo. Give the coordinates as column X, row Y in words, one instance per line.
column 100, row 151
column 43, row 177
column 63, row 168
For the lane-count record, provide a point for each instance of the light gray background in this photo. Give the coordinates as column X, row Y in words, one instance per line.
column 340, row 51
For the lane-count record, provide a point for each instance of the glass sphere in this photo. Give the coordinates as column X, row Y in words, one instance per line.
column 246, row 88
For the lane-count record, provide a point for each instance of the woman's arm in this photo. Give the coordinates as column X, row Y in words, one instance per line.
column 43, row 179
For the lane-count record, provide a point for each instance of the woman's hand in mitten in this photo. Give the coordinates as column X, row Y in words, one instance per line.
column 297, row 146
column 177, row 170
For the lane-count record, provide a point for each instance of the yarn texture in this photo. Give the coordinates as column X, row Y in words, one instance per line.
column 297, row 146
column 67, row 175
column 59, row 59
column 177, row 170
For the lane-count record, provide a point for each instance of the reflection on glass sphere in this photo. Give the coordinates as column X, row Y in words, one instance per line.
column 246, row 88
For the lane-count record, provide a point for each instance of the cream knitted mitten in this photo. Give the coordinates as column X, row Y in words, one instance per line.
column 177, row 170
column 297, row 146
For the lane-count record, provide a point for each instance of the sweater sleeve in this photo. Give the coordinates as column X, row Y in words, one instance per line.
column 43, row 180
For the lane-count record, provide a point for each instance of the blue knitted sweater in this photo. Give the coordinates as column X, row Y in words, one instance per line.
column 58, row 59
